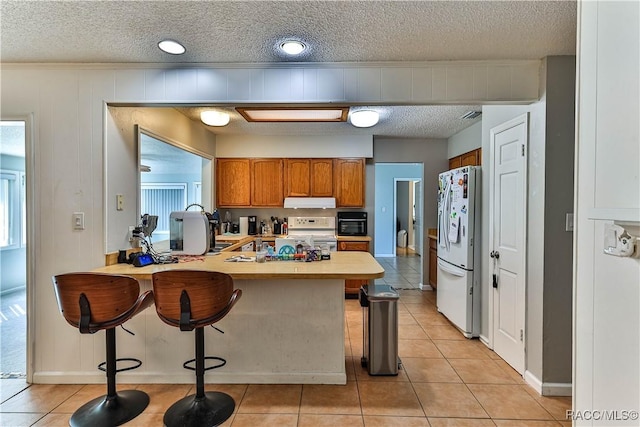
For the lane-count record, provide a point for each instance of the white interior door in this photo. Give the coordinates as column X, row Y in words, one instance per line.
column 507, row 239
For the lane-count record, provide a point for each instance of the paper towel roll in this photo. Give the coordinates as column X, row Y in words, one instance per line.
column 244, row 225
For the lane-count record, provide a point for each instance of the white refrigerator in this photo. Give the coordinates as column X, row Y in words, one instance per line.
column 458, row 291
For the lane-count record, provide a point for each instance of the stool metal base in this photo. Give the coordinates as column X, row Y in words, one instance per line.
column 105, row 411
column 211, row 410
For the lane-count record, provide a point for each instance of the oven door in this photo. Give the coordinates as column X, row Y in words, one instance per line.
column 352, row 227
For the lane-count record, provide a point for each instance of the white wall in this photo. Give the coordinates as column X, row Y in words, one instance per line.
column 82, row 156
column 549, row 252
column 607, row 288
column 294, row 146
column 466, row 140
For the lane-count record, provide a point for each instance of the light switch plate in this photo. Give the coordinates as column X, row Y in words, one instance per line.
column 78, row 220
column 569, row 222
column 119, row 202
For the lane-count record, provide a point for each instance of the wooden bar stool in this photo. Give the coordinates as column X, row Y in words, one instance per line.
column 191, row 299
column 92, row 302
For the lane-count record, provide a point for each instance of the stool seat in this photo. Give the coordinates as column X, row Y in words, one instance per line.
column 93, row 302
column 191, row 300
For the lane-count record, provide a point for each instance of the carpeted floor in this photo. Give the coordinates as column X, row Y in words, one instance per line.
column 13, row 334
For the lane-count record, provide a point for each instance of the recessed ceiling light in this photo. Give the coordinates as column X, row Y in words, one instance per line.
column 214, row 118
column 172, row 47
column 292, row 47
column 364, row 118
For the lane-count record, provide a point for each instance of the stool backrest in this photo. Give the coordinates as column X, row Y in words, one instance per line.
column 109, row 296
column 211, row 295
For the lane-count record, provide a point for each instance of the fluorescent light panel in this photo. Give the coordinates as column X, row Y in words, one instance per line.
column 294, row 114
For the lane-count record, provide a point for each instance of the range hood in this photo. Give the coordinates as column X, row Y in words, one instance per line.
column 310, row 202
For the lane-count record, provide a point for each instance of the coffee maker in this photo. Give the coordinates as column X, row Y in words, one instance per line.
column 253, row 226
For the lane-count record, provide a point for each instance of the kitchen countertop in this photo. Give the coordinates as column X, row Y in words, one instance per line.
column 287, row 328
column 342, row 265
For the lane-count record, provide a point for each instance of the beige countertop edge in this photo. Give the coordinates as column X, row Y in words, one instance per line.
column 432, row 236
column 343, row 265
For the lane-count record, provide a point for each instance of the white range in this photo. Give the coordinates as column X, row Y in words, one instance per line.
column 316, row 230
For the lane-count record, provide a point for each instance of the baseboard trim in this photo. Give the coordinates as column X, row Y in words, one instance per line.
column 547, row 389
column 188, row 378
column 484, row 340
column 533, row 381
column 425, row 287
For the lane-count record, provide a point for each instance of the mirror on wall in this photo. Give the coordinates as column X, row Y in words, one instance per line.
column 171, row 177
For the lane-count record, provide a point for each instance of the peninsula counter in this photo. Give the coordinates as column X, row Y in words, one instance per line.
column 287, row 328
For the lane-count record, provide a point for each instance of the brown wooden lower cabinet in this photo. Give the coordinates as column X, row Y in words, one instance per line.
column 352, row 287
column 433, row 263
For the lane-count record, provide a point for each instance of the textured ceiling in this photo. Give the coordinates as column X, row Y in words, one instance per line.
column 336, row 31
column 247, row 31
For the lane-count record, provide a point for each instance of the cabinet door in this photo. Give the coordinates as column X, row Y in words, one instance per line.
column 455, row 162
column 469, row 159
column 321, row 177
column 349, row 182
column 354, row 246
column 296, row 177
column 266, row 182
column 233, row 182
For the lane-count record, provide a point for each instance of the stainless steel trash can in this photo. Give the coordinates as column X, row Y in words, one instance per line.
column 380, row 329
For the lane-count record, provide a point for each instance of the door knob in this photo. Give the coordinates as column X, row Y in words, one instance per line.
column 495, row 254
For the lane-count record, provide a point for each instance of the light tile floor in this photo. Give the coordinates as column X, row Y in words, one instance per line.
column 402, row 271
column 446, row 380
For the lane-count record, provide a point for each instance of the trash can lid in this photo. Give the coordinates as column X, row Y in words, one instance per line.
column 380, row 292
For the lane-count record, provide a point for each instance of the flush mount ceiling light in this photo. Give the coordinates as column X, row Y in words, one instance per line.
column 364, row 118
column 294, row 114
column 172, row 47
column 292, row 47
column 214, row 118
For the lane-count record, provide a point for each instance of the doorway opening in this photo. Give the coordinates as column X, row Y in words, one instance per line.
column 398, row 208
column 13, row 250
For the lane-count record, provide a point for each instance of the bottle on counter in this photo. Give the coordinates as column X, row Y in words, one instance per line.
column 285, row 227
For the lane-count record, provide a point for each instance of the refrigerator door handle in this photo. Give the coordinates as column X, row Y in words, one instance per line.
column 451, row 269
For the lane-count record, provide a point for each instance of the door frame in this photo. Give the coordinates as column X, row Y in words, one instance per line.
column 395, row 215
column 30, row 200
column 520, row 119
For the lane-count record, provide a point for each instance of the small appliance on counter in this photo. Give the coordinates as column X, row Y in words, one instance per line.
column 253, row 225
column 352, row 223
column 189, row 233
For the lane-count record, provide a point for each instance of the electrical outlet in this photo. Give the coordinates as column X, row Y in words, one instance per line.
column 78, row 220
column 119, row 202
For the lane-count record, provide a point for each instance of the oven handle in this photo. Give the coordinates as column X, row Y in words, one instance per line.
column 351, row 220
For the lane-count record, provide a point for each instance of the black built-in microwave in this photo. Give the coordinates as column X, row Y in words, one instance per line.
column 352, row 223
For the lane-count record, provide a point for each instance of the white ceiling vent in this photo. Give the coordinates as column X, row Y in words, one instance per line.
column 471, row 115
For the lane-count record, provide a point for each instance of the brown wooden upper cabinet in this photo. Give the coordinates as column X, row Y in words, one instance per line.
column 349, row 185
column 472, row 158
column 266, row 182
column 233, row 182
column 308, row 177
